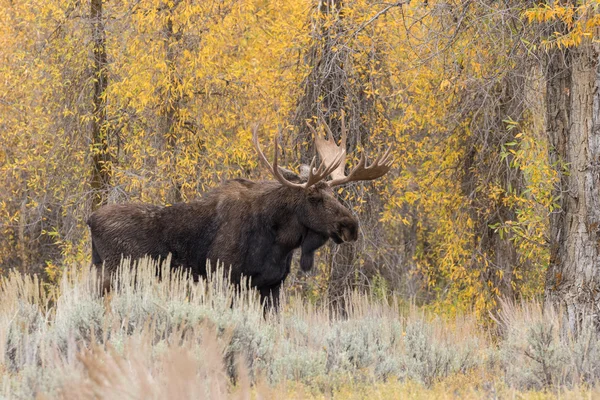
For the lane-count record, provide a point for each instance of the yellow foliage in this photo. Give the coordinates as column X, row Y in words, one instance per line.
column 580, row 21
column 188, row 80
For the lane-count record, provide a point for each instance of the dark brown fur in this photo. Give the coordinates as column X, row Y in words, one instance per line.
column 252, row 227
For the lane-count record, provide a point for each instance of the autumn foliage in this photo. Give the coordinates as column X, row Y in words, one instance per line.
column 154, row 101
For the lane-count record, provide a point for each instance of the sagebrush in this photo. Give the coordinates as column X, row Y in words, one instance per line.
column 151, row 338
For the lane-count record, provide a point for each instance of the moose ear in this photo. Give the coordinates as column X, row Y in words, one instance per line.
column 304, row 172
column 291, row 176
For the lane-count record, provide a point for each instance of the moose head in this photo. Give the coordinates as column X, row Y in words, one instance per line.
column 316, row 206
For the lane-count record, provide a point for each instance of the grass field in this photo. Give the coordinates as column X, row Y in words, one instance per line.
column 174, row 339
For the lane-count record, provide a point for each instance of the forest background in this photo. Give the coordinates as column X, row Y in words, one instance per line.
column 491, row 108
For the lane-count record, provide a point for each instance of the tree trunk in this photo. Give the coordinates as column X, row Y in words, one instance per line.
column 494, row 253
column 573, row 113
column 327, row 94
column 100, row 180
column 334, row 86
column 172, row 104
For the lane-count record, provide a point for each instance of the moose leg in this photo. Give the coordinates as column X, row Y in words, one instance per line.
column 96, row 258
column 269, row 297
column 105, row 271
column 104, row 268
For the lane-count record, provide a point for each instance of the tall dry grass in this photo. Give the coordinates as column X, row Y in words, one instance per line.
column 176, row 339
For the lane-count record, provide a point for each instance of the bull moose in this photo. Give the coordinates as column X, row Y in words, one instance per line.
column 254, row 227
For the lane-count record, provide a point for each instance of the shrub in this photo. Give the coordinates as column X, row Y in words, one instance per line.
column 538, row 350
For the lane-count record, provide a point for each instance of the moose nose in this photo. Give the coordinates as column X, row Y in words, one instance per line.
column 348, row 235
column 349, row 232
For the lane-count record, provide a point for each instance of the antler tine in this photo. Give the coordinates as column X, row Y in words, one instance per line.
column 384, row 159
column 273, row 168
column 330, row 137
column 344, row 131
column 320, row 173
column 313, row 130
column 261, row 155
column 278, row 174
column 363, row 172
column 312, row 176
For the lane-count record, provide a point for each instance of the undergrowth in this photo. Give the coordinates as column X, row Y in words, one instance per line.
column 176, row 339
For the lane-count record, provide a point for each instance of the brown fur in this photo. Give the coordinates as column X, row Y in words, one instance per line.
column 252, row 227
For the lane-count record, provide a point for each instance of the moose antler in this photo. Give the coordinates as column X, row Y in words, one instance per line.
column 363, row 172
column 327, row 149
column 314, row 175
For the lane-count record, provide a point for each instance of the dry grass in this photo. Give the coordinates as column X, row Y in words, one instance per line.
column 175, row 339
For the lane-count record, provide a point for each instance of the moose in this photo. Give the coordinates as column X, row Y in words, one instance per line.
column 253, row 227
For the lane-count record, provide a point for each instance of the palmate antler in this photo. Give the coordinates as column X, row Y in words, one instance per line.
column 314, row 175
column 333, row 159
column 327, row 150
